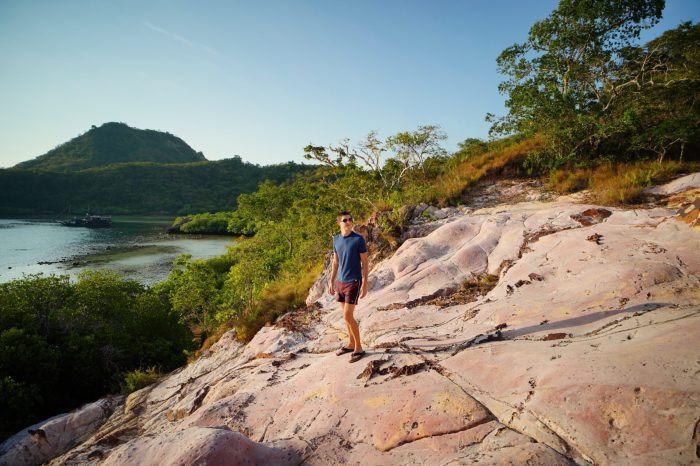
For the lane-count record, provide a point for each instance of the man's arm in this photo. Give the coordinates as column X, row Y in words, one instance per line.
column 365, row 273
column 334, row 273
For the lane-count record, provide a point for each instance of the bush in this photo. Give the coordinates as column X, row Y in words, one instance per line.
column 566, row 181
column 285, row 294
column 211, row 224
column 18, row 403
column 64, row 344
column 138, row 379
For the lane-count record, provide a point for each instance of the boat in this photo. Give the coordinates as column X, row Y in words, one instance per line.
column 88, row 221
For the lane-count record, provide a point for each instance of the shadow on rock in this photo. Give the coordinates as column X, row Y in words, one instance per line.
column 584, row 320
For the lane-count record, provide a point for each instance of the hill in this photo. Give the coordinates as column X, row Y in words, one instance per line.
column 114, row 143
column 137, row 188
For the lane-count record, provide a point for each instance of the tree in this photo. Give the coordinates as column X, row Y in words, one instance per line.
column 471, row 147
column 568, row 71
column 374, row 169
column 413, row 149
column 193, row 291
column 661, row 104
column 62, row 344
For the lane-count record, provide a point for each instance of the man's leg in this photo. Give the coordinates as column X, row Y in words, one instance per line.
column 353, row 328
column 350, row 335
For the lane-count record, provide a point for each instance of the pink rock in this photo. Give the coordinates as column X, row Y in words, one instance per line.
column 614, row 400
column 677, row 185
column 584, row 351
column 210, row 446
column 45, row 440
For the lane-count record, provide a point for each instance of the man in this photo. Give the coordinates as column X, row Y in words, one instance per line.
column 350, row 267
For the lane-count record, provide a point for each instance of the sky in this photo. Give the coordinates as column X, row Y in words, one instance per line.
column 258, row 78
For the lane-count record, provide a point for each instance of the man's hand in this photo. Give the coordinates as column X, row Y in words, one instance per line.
column 331, row 287
column 363, row 290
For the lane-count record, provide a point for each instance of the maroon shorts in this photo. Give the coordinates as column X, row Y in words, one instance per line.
column 348, row 292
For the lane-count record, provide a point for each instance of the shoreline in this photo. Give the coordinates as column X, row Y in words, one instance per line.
column 136, row 247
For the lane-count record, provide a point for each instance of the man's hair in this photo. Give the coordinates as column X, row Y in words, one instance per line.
column 340, row 214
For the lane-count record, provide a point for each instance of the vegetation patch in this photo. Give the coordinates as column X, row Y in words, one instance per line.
column 139, row 378
column 300, row 320
column 467, row 168
column 137, row 188
column 469, row 291
column 617, row 184
column 63, row 344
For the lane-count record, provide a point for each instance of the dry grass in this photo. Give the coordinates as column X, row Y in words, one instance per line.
column 566, row 181
column 281, row 296
column 208, row 343
column 449, row 187
column 382, row 205
column 617, row 184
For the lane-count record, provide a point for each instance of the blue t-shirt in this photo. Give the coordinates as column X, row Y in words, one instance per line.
column 348, row 249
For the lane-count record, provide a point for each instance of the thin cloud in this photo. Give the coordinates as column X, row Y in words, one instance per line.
column 179, row 38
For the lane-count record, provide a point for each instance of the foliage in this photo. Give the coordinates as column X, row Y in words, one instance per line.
column 370, row 177
column 471, row 147
column 207, row 223
column 287, row 292
column 660, row 106
column 193, row 290
column 63, row 344
column 462, row 171
column 139, row 378
column 114, row 143
column 137, row 188
column 582, row 83
column 569, row 60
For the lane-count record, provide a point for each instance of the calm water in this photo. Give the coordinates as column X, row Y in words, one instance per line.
column 136, row 247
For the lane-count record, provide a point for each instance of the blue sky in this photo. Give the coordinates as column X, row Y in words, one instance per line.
column 260, row 79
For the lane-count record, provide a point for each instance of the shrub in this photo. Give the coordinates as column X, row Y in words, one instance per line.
column 19, row 402
column 566, row 181
column 64, row 344
column 278, row 297
column 138, row 379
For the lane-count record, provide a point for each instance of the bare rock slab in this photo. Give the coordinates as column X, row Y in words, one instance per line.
column 46, row 440
column 210, row 446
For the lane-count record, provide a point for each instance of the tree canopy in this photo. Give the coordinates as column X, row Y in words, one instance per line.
column 63, row 344
column 582, row 81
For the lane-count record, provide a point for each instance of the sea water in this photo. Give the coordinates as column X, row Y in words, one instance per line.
column 135, row 247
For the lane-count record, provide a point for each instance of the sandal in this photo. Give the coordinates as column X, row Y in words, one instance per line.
column 357, row 356
column 342, row 350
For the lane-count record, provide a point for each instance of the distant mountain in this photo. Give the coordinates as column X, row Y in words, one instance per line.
column 116, row 169
column 114, row 143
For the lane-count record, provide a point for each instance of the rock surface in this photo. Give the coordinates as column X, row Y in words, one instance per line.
column 530, row 333
column 45, row 440
column 683, row 183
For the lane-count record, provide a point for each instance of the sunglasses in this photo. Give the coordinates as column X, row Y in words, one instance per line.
column 346, row 219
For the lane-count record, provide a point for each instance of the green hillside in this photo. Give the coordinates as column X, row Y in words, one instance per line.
column 137, row 188
column 114, row 143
